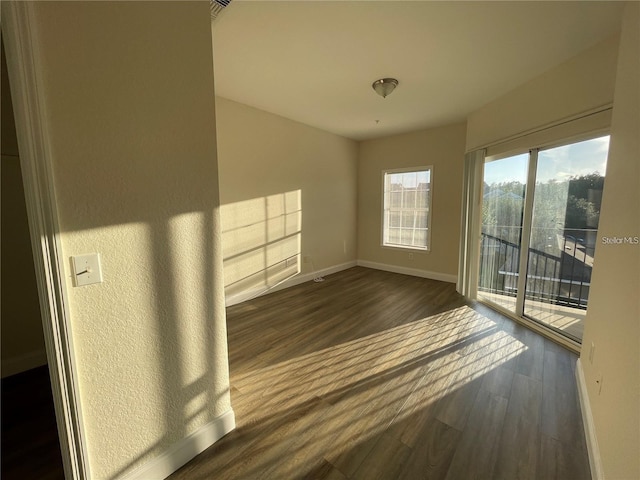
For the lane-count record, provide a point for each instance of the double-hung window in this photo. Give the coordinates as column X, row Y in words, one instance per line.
column 406, row 210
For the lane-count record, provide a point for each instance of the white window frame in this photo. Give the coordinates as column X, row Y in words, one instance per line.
column 429, row 209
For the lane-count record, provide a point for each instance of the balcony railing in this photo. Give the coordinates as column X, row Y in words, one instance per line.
column 559, row 272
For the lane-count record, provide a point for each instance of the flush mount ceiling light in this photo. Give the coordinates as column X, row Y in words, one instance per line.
column 385, row 86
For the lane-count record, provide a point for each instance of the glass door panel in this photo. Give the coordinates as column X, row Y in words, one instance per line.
column 564, row 227
column 503, row 192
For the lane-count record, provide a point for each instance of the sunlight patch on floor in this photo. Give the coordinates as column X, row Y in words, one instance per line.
column 366, row 380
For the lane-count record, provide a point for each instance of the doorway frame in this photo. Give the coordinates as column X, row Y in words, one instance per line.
column 19, row 33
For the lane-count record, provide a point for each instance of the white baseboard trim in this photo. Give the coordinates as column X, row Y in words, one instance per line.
column 302, row 278
column 291, row 282
column 597, row 473
column 415, row 272
column 22, row 363
column 181, row 452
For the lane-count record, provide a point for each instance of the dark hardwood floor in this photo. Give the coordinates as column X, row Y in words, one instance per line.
column 375, row 375
column 30, row 445
column 367, row 375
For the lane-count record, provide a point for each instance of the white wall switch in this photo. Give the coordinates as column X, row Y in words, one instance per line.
column 86, row 269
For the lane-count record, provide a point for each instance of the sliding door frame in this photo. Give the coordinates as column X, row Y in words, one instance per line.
column 467, row 283
column 527, row 221
column 583, row 127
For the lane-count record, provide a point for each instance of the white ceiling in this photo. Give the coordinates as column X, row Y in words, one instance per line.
column 315, row 61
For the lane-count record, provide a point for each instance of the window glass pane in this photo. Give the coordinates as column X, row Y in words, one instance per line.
column 407, row 218
column 406, row 213
column 409, row 198
column 394, row 235
column 420, row 236
column 564, row 228
column 423, row 198
column 395, row 200
column 424, row 177
column 407, row 236
column 502, row 209
column 394, row 218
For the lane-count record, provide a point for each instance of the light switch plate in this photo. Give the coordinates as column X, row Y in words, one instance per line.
column 86, row 269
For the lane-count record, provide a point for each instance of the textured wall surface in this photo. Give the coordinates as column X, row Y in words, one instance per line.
column 128, row 90
column 296, row 186
column 580, row 84
column 613, row 316
column 443, row 148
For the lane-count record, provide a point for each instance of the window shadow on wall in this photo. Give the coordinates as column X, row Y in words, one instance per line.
column 261, row 240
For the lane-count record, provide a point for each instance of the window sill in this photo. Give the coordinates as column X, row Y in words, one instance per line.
column 406, row 249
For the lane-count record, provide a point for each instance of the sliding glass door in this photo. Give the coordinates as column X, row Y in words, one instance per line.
column 540, row 213
column 503, row 192
column 564, row 227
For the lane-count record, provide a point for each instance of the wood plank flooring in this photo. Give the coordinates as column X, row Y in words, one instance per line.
column 375, row 375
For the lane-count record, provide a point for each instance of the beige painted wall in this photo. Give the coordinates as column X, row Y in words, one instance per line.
column 443, row 148
column 613, row 317
column 128, row 89
column 22, row 338
column 286, row 189
column 582, row 83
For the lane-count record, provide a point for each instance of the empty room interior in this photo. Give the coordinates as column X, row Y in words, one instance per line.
column 322, row 240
